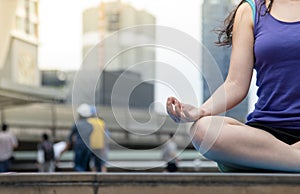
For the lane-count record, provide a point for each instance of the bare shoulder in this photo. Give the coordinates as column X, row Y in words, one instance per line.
column 245, row 8
column 244, row 14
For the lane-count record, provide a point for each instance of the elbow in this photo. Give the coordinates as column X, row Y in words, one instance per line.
column 237, row 92
column 241, row 95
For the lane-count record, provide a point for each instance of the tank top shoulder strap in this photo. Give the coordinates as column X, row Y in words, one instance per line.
column 253, row 7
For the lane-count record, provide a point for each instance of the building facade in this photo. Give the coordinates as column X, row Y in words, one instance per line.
column 213, row 14
column 19, row 41
column 110, row 17
column 104, row 24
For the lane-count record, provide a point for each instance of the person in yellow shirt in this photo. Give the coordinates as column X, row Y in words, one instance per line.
column 98, row 142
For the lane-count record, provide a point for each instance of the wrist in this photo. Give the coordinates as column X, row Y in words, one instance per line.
column 203, row 112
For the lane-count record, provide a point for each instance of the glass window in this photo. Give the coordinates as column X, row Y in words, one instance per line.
column 20, row 24
column 114, row 17
column 33, row 8
column 32, row 29
column 21, row 7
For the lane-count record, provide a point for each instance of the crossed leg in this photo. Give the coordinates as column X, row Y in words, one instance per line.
column 228, row 141
column 296, row 145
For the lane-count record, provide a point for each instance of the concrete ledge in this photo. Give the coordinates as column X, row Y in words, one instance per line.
column 146, row 183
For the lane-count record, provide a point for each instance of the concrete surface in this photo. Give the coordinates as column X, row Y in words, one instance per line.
column 146, row 183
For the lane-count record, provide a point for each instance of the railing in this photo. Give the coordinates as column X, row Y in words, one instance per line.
column 122, row 161
column 29, row 121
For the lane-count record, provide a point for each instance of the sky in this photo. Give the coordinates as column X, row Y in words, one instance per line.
column 60, row 26
column 60, row 34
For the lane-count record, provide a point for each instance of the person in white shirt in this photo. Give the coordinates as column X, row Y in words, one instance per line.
column 8, row 142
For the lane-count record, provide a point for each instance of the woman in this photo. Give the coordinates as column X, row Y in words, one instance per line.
column 265, row 36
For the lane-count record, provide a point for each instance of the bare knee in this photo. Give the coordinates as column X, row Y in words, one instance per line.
column 200, row 127
column 209, row 129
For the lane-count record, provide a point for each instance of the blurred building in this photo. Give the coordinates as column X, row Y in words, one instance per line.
column 105, row 21
column 213, row 14
column 142, row 96
column 109, row 17
column 53, row 78
column 19, row 41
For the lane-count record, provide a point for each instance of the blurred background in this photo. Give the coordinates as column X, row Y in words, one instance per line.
column 44, row 44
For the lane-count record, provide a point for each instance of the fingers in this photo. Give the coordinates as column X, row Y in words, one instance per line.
column 170, row 103
column 181, row 112
column 174, row 109
column 186, row 109
column 175, row 118
column 178, row 108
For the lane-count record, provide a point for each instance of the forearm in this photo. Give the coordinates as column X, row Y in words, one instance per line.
column 227, row 96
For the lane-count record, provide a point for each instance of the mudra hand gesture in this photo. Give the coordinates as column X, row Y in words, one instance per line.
column 181, row 112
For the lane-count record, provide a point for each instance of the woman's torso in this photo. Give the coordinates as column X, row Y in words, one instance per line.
column 277, row 62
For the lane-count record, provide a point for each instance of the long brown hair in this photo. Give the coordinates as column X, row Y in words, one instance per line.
column 225, row 33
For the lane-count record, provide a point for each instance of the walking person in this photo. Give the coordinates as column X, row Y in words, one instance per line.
column 169, row 155
column 264, row 35
column 46, row 155
column 8, row 142
column 98, row 142
column 79, row 139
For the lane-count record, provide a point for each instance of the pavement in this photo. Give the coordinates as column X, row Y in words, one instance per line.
column 149, row 183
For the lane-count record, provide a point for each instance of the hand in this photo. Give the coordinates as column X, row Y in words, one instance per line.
column 181, row 112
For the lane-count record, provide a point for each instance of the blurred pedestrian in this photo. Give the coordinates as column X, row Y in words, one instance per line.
column 98, row 142
column 169, row 154
column 8, row 142
column 79, row 139
column 45, row 156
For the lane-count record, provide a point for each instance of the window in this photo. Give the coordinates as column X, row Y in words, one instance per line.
column 32, row 30
column 27, row 17
column 20, row 24
column 33, row 8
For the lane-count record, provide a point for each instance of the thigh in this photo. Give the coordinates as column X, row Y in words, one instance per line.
column 217, row 132
column 219, row 129
column 228, row 141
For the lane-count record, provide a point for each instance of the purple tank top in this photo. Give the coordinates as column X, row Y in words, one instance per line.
column 277, row 63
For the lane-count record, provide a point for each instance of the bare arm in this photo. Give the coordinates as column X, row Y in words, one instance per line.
column 237, row 83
